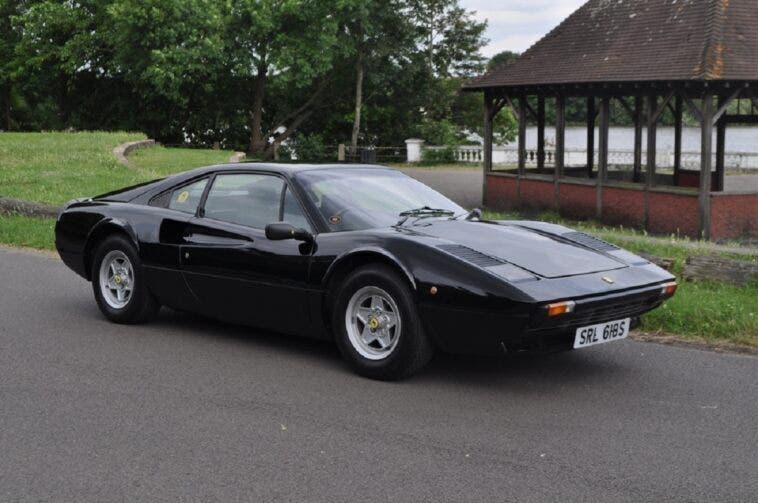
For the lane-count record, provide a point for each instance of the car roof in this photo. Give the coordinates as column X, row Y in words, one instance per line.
column 282, row 168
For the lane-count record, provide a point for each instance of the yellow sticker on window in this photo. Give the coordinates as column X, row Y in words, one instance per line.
column 183, row 197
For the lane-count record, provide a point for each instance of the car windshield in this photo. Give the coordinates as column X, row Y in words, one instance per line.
column 366, row 198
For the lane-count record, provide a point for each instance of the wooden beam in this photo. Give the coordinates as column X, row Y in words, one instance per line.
column 487, row 143
column 560, row 135
column 602, row 166
column 498, row 105
column 678, row 114
column 704, row 199
column 522, row 135
column 662, row 107
column 721, row 146
column 540, row 132
column 638, row 111
column 694, row 109
column 590, row 135
column 514, row 108
column 531, row 110
column 724, row 104
column 652, row 123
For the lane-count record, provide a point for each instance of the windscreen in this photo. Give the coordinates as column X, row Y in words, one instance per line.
column 355, row 199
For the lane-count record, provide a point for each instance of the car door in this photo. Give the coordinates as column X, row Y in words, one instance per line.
column 170, row 214
column 236, row 273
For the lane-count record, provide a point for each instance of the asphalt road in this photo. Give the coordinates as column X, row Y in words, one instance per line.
column 194, row 410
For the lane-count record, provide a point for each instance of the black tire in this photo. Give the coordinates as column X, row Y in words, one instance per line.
column 413, row 349
column 141, row 305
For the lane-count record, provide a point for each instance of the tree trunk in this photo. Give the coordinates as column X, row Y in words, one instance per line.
column 358, row 104
column 257, row 141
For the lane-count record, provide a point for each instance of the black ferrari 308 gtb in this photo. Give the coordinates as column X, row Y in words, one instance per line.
column 365, row 255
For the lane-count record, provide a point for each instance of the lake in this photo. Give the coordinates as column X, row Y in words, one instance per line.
column 738, row 138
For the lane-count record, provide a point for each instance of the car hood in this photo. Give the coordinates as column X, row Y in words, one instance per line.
column 550, row 252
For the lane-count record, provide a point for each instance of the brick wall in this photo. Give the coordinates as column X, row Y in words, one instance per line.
column 734, row 215
column 669, row 212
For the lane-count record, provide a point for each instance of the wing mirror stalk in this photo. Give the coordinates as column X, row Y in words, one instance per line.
column 280, row 231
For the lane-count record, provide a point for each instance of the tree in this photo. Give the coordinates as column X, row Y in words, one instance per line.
column 450, row 36
column 501, row 59
column 293, row 41
column 376, row 31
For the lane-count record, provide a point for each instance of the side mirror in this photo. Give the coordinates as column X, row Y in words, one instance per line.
column 280, row 231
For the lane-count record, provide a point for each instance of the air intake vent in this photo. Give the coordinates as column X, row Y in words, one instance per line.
column 589, row 241
column 471, row 256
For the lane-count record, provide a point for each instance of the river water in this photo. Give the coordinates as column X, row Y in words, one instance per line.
column 738, row 138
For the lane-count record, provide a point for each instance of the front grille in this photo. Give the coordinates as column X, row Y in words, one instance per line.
column 590, row 315
column 589, row 241
column 470, row 255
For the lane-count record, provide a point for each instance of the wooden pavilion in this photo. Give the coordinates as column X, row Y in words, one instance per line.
column 651, row 56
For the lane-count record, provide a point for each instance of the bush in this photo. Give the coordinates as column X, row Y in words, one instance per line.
column 444, row 155
column 307, row 148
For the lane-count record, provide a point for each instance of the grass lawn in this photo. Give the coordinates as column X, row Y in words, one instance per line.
column 55, row 167
column 708, row 310
column 30, row 232
column 165, row 161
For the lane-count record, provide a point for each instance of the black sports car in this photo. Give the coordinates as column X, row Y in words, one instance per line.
column 381, row 263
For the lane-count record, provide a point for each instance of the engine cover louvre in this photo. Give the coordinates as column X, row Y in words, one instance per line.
column 470, row 255
column 589, row 241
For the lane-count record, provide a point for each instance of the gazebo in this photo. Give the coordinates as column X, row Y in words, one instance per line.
column 652, row 56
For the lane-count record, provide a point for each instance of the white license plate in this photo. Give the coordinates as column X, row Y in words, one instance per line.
column 601, row 333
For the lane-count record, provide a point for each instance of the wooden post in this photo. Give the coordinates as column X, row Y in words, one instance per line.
column 602, row 167
column 720, row 148
column 652, row 122
column 560, row 135
column 540, row 132
column 637, row 170
column 678, row 108
column 590, row 135
column 706, row 148
column 522, row 135
column 487, row 142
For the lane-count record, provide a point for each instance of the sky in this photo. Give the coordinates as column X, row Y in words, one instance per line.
column 516, row 24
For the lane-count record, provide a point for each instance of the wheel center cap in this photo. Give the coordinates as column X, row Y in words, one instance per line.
column 117, row 279
column 373, row 323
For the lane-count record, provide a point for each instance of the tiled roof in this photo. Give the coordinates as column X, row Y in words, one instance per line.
column 640, row 40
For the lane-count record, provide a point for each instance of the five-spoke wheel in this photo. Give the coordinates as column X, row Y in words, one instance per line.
column 376, row 325
column 118, row 282
column 116, row 279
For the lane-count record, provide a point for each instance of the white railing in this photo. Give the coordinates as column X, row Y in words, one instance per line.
column 578, row 157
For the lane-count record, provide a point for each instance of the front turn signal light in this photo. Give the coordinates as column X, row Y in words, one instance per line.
column 669, row 288
column 559, row 308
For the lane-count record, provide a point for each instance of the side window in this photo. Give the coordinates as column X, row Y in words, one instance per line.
column 187, row 198
column 251, row 200
column 293, row 213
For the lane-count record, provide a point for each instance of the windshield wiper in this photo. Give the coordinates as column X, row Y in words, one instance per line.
column 424, row 211
column 476, row 213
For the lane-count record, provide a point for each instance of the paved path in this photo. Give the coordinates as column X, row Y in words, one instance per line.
column 194, row 410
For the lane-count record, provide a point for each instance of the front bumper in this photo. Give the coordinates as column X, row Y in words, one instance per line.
column 472, row 332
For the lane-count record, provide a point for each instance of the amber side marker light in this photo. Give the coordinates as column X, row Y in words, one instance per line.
column 669, row 288
column 559, row 308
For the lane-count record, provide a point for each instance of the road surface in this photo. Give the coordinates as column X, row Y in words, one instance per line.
column 195, row 410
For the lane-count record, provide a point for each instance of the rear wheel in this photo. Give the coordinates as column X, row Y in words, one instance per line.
column 377, row 327
column 118, row 282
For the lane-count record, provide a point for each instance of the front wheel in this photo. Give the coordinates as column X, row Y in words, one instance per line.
column 118, row 282
column 377, row 328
